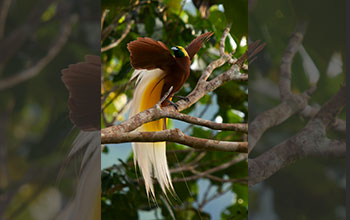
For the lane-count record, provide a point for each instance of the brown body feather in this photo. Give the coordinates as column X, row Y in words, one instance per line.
column 157, row 70
column 146, row 53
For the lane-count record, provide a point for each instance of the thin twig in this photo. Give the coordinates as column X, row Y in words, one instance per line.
column 222, row 41
column 176, row 135
column 117, row 42
column 310, row 141
column 37, row 68
column 165, row 96
column 242, row 127
column 286, row 63
column 104, row 14
column 291, row 103
column 3, row 15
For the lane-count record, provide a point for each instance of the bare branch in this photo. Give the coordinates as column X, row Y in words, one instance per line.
column 175, row 135
column 214, row 196
column 222, row 41
column 299, row 146
column 211, row 67
column 291, row 103
column 200, row 115
column 274, row 117
column 310, row 141
column 164, row 97
column 37, row 68
column 104, row 14
column 117, row 42
column 203, row 88
column 286, row 62
column 223, row 166
column 329, row 110
column 3, row 15
column 242, row 127
column 339, row 125
column 15, row 40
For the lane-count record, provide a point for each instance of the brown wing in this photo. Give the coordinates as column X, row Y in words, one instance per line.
column 146, row 53
column 197, row 43
column 83, row 80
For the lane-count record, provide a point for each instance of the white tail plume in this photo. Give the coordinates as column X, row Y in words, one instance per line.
column 150, row 157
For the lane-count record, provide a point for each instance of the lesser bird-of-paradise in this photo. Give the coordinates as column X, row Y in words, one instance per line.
column 156, row 71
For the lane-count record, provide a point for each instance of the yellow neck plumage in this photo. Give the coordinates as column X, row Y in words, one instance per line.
column 183, row 51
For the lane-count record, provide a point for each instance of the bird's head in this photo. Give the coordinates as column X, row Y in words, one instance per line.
column 179, row 52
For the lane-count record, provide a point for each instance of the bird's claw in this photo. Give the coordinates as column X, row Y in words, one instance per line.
column 183, row 98
column 173, row 104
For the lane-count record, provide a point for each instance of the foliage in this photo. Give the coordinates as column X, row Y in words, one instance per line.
column 174, row 22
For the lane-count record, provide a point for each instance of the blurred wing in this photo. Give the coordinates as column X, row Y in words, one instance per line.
column 146, row 53
column 83, row 82
column 197, row 43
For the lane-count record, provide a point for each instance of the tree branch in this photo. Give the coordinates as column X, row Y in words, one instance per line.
column 339, row 125
column 176, row 135
column 286, row 64
column 104, row 14
column 242, row 127
column 274, row 117
column 117, row 42
column 37, row 68
column 310, row 141
column 291, row 103
column 3, row 15
column 207, row 173
column 222, row 41
column 13, row 42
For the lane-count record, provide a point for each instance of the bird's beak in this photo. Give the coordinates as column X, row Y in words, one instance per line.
column 174, row 48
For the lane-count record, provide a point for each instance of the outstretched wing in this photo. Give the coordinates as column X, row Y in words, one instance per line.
column 197, row 43
column 83, row 82
column 146, row 53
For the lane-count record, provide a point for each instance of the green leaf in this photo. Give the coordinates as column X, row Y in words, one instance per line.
column 205, row 99
column 217, row 18
column 236, row 212
column 234, row 117
column 200, row 132
column 174, row 6
column 236, row 13
column 105, row 150
column 150, row 22
column 241, row 193
column 49, row 13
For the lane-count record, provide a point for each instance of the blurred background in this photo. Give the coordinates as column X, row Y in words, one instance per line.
column 175, row 22
column 38, row 39
column 312, row 188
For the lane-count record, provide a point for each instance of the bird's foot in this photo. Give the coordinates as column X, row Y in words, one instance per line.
column 182, row 97
column 173, row 104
